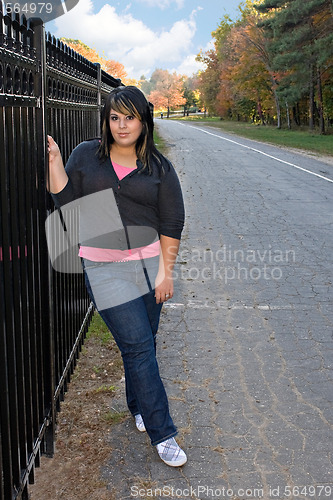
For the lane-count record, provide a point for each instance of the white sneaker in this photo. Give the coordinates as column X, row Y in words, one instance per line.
column 171, row 453
column 139, row 423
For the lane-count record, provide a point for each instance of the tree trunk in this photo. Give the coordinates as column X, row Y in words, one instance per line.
column 296, row 117
column 277, row 102
column 288, row 115
column 278, row 109
column 320, row 103
column 260, row 113
column 168, row 113
column 311, row 100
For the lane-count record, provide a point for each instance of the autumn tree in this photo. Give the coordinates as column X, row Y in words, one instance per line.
column 116, row 69
column 238, row 80
column 214, row 60
column 208, row 80
column 84, row 50
column 254, row 68
column 247, row 79
column 168, row 90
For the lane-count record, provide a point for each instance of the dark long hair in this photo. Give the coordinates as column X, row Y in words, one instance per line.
column 130, row 101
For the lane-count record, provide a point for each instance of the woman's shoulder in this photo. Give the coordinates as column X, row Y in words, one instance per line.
column 87, row 146
column 84, row 156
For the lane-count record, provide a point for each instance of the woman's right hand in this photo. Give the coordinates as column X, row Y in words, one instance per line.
column 57, row 174
column 53, row 148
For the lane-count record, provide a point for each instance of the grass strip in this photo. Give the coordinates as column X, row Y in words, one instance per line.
column 299, row 139
column 159, row 142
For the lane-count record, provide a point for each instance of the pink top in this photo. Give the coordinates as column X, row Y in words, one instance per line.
column 111, row 255
column 122, row 171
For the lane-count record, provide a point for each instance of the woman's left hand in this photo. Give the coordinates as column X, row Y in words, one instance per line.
column 163, row 289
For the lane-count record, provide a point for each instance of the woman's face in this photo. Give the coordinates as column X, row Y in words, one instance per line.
column 125, row 129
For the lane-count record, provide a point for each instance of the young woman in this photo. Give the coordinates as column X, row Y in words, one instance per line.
column 132, row 216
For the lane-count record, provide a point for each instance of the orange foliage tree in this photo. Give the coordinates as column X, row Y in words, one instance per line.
column 250, row 75
column 84, row 50
column 169, row 90
column 208, row 80
column 116, row 69
column 238, row 80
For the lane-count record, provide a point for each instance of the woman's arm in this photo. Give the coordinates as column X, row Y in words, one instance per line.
column 58, row 178
column 172, row 215
column 164, row 279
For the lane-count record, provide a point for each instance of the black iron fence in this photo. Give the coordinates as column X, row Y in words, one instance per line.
column 45, row 88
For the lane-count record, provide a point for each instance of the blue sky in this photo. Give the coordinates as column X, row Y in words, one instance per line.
column 146, row 34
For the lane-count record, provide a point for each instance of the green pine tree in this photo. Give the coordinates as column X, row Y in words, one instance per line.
column 301, row 33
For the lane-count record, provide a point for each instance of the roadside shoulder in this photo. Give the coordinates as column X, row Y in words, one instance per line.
column 328, row 160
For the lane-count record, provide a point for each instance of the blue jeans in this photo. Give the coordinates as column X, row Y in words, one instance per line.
column 134, row 326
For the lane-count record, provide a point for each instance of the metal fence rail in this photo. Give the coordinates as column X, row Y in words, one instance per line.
column 45, row 88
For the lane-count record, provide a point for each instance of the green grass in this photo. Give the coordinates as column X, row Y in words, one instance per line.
column 299, row 139
column 114, row 417
column 159, row 142
column 99, row 330
column 105, row 388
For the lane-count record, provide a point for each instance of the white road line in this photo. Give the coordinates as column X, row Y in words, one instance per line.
column 260, row 152
column 261, row 307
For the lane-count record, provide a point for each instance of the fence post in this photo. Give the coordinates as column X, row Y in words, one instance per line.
column 2, row 493
column 99, row 94
column 46, row 278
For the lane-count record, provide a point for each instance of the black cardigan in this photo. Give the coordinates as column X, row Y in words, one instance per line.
column 146, row 200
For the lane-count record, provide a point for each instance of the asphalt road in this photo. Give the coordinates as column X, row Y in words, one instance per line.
column 246, row 344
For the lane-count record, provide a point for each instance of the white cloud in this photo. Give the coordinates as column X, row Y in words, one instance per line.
column 189, row 66
column 128, row 40
column 210, row 46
